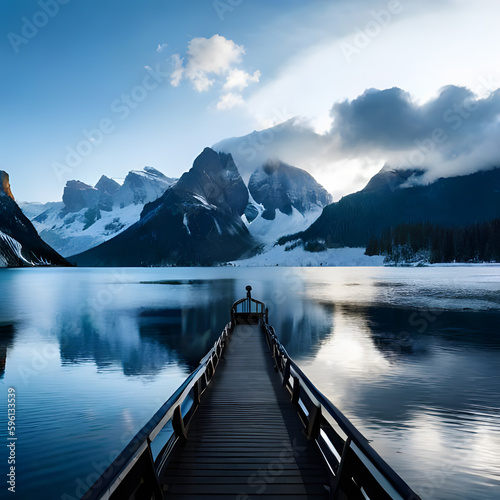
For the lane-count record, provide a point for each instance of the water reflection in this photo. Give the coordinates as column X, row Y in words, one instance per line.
column 143, row 341
column 6, row 342
column 423, row 386
column 410, row 355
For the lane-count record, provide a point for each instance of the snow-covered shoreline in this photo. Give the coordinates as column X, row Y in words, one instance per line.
column 298, row 257
column 334, row 257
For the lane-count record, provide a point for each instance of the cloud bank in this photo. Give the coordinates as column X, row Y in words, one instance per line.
column 209, row 61
column 454, row 133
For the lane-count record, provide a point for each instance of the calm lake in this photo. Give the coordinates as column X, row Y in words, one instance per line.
column 410, row 355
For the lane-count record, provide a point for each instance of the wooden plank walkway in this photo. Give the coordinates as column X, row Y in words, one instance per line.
column 246, row 440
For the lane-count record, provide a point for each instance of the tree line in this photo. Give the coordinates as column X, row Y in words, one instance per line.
column 418, row 242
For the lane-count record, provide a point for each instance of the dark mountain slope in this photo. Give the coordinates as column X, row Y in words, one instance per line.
column 384, row 203
column 278, row 186
column 196, row 222
column 20, row 244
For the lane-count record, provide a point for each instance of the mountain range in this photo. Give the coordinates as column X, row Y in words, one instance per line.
column 211, row 216
column 90, row 215
column 237, row 202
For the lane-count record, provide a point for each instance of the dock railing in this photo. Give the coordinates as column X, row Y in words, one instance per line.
column 134, row 473
column 355, row 468
column 249, row 311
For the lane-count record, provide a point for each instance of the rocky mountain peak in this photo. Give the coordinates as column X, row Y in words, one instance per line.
column 5, row 185
column 78, row 195
column 197, row 221
column 20, row 244
column 214, row 176
column 142, row 186
column 278, row 186
column 390, row 179
column 107, row 190
column 155, row 172
column 107, row 186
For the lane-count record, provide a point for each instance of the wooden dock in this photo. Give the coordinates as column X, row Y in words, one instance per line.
column 248, row 423
column 246, row 439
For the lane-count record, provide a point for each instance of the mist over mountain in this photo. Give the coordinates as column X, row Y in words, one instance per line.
column 453, row 133
column 432, row 145
column 292, row 142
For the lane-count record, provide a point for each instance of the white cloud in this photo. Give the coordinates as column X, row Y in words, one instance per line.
column 206, row 58
column 308, row 82
column 229, row 101
column 212, row 55
column 239, row 79
column 161, row 47
column 177, row 74
column 211, row 61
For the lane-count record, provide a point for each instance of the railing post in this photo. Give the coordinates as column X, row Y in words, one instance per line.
column 339, row 475
column 286, row 373
column 212, row 368
column 196, row 393
column 178, row 424
column 314, row 422
column 296, row 391
column 275, row 358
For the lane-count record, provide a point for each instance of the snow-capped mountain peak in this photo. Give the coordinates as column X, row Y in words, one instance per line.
column 90, row 215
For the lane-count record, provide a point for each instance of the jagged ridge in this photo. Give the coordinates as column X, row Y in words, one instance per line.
column 196, row 222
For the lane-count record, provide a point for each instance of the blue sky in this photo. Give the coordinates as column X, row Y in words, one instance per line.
column 152, row 82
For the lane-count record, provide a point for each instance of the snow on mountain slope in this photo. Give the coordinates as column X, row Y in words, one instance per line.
column 10, row 250
column 141, row 187
column 89, row 216
column 71, row 233
column 298, row 257
column 33, row 209
column 282, row 198
column 267, row 232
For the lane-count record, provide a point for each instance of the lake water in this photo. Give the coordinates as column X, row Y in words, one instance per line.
column 410, row 355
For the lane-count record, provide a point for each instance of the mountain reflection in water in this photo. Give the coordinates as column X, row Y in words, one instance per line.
column 411, row 356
